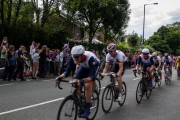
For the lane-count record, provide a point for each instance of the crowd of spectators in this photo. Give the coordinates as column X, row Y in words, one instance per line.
column 39, row 61
column 36, row 61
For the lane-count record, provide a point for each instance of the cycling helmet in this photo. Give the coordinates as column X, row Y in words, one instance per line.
column 111, row 47
column 166, row 54
column 154, row 54
column 145, row 50
column 77, row 50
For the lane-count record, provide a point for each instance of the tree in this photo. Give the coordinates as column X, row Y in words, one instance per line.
column 93, row 14
column 134, row 40
column 166, row 39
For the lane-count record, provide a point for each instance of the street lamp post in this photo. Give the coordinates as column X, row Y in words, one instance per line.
column 144, row 17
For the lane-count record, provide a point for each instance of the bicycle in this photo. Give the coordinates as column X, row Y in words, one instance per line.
column 167, row 76
column 143, row 87
column 156, row 77
column 72, row 106
column 111, row 93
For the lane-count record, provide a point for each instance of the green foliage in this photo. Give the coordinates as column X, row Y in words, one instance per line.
column 134, row 40
column 122, row 46
column 89, row 46
column 166, row 39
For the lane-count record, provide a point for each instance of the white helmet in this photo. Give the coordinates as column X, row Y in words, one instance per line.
column 166, row 54
column 154, row 54
column 77, row 50
column 145, row 50
column 111, row 46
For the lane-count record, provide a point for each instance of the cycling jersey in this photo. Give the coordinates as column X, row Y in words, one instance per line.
column 120, row 57
column 167, row 60
column 88, row 68
column 145, row 63
column 156, row 61
column 177, row 63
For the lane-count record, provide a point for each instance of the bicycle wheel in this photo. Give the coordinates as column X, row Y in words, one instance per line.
column 139, row 92
column 124, row 92
column 67, row 109
column 98, row 85
column 107, row 99
column 94, row 105
column 159, row 83
column 148, row 93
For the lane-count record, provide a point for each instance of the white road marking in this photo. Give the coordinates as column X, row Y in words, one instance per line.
column 5, row 84
column 30, row 106
column 136, row 78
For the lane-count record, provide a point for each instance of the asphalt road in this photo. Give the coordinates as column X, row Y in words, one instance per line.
column 40, row 100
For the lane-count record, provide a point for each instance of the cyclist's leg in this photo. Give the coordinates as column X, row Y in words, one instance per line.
column 83, row 73
column 115, row 69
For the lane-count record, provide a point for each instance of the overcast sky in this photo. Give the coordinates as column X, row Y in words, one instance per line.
column 166, row 12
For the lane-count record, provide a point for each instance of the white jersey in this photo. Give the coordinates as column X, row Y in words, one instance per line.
column 168, row 59
column 120, row 57
column 89, row 56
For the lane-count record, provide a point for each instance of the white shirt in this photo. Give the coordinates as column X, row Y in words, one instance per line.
column 120, row 57
column 35, row 57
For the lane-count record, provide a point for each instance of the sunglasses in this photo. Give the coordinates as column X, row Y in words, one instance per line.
column 110, row 51
column 76, row 56
column 145, row 53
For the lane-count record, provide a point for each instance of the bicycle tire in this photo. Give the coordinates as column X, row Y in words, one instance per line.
column 109, row 91
column 148, row 93
column 124, row 93
column 139, row 91
column 63, row 104
column 95, row 97
column 98, row 86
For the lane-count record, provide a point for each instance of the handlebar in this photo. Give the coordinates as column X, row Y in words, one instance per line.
column 58, row 81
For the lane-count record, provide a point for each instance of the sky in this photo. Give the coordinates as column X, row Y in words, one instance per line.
column 166, row 12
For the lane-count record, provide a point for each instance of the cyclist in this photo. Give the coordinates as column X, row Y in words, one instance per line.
column 167, row 62
column 157, row 63
column 118, row 59
column 147, row 65
column 88, row 66
column 178, row 65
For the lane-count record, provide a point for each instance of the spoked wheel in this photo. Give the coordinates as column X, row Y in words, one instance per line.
column 67, row 109
column 98, row 85
column 124, row 92
column 148, row 93
column 94, row 105
column 139, row 92
column 159, row 83
column 107, row 99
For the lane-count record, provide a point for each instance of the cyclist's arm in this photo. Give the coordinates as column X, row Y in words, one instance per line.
column 71, row 66
column 106, row 67
column 138, row 63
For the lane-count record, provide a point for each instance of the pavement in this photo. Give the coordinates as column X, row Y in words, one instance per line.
column 40, row 100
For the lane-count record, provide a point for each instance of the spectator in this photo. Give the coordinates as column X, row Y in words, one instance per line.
column 4, row 50
column 32, row 47
column 20, row 63
column 57, row 63
column 42, row 62
column 65, row 54
column 35, row 59
column 10, row 63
